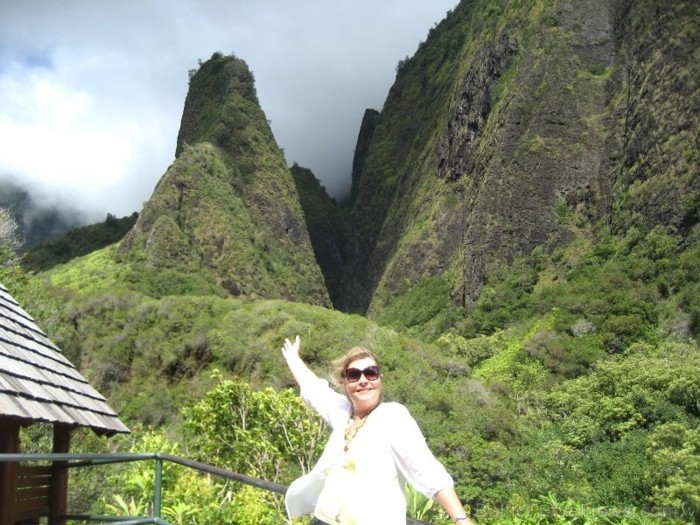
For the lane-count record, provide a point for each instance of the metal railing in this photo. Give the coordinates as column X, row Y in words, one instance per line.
column 87, row 460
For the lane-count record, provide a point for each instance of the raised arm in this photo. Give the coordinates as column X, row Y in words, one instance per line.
column 302, row 373
column 316, row 393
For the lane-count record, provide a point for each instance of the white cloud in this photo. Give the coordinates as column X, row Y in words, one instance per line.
column 92, row 92
column 71, row 146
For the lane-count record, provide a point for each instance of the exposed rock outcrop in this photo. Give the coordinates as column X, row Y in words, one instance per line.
column 520, row 128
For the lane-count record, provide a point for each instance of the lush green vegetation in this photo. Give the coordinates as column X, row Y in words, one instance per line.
column 568, row 392
column 226, row 212
column 77, row 242
column 594, row 350
column 571, row 393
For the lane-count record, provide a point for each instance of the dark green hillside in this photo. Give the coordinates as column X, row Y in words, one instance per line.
column 36, row 223
column 391, row 164
column 548, row 406
column 328, row 227
column 77, row 242
column 364, row 139
column 154, row 355
column 519, row 128
column 655, row 99
column 217, row 107
column 225, row 218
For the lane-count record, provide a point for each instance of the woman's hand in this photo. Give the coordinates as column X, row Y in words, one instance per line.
column 291, row 349
column 302, row 373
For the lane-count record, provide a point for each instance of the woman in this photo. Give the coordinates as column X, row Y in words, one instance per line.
column 374, row 448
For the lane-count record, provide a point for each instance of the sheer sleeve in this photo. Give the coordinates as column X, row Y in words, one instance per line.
column 411, row 454
column 333, row 407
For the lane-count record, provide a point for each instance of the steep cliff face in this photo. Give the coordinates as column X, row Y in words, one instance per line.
column 364, row 139
column 328, row 227
column 656, row 133
column 524, row 125
column 227, row 209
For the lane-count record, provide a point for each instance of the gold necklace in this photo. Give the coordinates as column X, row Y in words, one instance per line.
column 354, row 427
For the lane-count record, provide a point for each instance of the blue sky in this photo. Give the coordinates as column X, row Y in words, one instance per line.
column 92, row 91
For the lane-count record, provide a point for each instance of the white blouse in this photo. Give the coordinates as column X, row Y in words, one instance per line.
column 365, row 485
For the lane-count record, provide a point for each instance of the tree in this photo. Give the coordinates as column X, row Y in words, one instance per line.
column 10, row 240
column 268, row 434
column 676, row 453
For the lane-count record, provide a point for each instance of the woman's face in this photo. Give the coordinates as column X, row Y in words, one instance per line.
column 363, row 393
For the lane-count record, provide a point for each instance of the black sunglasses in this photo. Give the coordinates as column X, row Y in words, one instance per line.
column 353, row 375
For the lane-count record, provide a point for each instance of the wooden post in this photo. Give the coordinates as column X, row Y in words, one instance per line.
column 9, row 444
column 58, row 493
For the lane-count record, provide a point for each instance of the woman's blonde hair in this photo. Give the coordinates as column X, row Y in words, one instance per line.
column 341, row 364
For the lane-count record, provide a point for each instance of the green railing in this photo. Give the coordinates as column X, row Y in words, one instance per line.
column 88, row 460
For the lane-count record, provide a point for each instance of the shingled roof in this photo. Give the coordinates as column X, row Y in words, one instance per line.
column 38, row 383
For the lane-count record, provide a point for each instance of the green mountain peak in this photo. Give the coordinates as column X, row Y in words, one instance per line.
column 227, row 210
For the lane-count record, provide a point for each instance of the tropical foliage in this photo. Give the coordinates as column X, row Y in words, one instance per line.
column 565, row 390
column 604, row 427
column 77, row 242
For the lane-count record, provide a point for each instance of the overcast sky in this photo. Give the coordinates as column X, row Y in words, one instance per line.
column 92, row 91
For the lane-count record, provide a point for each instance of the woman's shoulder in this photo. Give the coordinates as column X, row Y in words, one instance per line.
column 397, row 424
column 393, row 409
